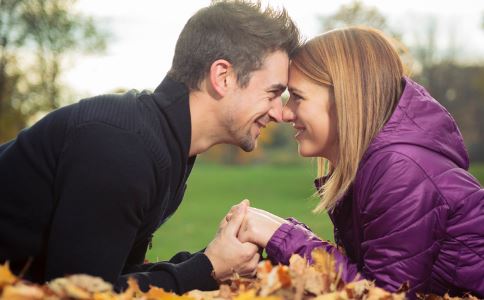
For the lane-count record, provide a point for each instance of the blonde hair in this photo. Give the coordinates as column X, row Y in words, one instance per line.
column 364, row 73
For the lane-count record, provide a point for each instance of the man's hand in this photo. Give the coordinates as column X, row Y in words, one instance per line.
column 227, row 254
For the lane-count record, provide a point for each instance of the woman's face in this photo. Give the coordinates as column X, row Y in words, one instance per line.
column 312, row 112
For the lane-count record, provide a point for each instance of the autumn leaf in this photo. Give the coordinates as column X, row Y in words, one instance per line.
column 156, row 293
column 251, row 295
column 6, row 276
column 284, row 277
column 104, row 296
column 22, row 292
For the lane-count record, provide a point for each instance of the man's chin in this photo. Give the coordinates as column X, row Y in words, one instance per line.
column 248, row 145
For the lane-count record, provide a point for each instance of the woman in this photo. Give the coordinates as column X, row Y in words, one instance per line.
column 393, row 167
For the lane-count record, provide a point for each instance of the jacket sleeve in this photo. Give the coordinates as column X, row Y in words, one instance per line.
column 106, row 186
column 297, row 238
column 401, row 216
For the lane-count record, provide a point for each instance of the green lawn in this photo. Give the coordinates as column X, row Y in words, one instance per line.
column 213, row 189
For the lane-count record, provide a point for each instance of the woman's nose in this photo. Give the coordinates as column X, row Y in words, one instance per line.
column 287, row 113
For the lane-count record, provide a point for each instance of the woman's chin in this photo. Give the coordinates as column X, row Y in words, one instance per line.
column 304, row 152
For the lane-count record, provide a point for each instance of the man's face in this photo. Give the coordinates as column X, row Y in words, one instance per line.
column 251, row 108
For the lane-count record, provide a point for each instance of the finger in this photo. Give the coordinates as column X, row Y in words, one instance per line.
column 228, row 217
column 236, row 220
column 243, row 235
column 233, row 209
column 222, row 223
column 251, row 266
column 246, row 201
column 250, row 248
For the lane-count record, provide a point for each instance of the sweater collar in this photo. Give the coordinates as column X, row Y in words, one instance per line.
column 171, row 97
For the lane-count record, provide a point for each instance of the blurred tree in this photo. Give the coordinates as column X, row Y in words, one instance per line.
column 356, row 13
column 460, row 89
column 40, row 34
column 10, row 38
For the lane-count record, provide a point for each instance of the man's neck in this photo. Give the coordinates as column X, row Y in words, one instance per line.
column 206, row 131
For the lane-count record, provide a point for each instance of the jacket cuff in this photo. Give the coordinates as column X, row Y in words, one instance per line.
column 296, row 222
column 277, row 246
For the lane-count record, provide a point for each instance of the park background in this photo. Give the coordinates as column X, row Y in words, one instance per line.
column 55, row 52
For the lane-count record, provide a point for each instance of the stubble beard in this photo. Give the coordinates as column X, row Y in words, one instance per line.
column 243, row 138
column 247, row 143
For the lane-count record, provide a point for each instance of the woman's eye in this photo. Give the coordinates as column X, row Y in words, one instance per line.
column 295, row 97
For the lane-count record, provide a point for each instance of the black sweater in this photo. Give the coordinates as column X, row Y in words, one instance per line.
column 83, row 190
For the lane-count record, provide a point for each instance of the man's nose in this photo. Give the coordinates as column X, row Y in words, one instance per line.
column 275, row 113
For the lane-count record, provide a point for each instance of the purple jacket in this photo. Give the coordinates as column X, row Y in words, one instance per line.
column 413, row 214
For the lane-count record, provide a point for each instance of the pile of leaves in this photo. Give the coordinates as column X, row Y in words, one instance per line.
column 298, row 281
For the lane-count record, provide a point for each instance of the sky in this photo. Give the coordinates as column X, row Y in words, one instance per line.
column 144, row 33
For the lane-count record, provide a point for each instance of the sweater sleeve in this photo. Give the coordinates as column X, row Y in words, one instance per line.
column 401, row 221
column 184, row 272
column 297, row 238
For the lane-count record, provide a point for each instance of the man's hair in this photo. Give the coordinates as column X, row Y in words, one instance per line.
column 238, row 31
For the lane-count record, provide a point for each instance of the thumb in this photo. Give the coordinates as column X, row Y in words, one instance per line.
column 237, row 219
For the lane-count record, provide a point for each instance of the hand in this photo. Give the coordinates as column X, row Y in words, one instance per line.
column 226, row 253
column 259, row 226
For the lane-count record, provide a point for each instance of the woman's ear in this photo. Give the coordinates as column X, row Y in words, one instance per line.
column 220, row 71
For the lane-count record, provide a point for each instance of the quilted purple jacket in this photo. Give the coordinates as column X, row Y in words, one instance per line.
column 413, row 214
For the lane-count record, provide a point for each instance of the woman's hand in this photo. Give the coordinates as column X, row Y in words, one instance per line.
column 259, row 226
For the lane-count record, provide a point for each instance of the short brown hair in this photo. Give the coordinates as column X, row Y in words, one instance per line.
column 239, row 31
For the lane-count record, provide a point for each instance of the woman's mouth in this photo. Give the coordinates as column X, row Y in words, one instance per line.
column 299, row 131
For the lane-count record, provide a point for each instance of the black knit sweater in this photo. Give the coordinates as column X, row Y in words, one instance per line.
column 83, row 190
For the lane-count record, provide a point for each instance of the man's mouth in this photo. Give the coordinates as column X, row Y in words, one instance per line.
column 261, row 124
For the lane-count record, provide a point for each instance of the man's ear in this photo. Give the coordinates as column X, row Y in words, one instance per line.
column 220, row 76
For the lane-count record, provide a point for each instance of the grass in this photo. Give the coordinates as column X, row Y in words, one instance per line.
column 213, row 189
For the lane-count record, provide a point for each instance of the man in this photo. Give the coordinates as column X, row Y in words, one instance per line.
column 84, row 189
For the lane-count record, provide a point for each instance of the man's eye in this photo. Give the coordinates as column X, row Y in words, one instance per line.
column 273, row 95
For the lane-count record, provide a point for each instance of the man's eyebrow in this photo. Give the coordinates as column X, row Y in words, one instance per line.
column 278, row 87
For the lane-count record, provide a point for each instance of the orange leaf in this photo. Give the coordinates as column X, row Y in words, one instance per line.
column 284, row 277
column 6, row 276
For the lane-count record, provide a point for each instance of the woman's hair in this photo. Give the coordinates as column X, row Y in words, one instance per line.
column 364, row 73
